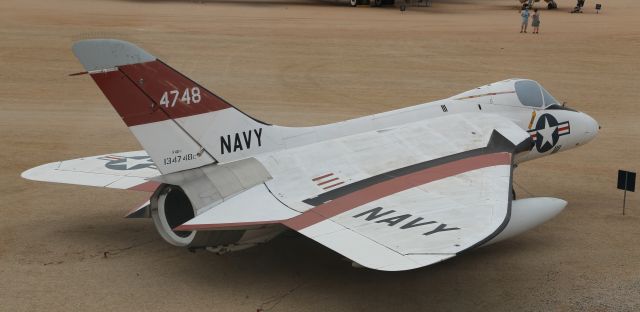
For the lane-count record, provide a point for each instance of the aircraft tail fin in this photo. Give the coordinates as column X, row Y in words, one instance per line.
column 179, row 123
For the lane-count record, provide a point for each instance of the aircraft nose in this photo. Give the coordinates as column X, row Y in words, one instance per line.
column 591, row 127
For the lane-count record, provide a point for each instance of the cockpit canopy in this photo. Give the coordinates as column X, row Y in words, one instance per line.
column 531, row 93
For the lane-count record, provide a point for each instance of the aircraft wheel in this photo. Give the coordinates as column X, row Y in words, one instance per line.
column 353, row 3
column 378, row 3
column 552, row 5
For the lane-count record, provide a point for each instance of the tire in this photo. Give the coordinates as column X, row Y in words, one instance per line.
column 377, row 3
column 353, row 3
column 552, row 5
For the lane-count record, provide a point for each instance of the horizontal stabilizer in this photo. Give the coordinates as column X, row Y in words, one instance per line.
column 126, row 171
column 255, row 206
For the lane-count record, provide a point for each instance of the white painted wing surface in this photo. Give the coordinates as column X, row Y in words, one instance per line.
column 405, row 197
column 420, row 225
column 128, row 170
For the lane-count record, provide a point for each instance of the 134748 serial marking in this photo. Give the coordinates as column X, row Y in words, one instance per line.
column 179, row 158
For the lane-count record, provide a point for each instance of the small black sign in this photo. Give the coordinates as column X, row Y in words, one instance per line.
column 627, row 180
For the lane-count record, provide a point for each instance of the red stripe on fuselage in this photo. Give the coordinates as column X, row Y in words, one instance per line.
column 393, row 186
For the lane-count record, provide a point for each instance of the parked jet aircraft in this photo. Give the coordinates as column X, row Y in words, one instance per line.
column 551, row 4
column 392, row 191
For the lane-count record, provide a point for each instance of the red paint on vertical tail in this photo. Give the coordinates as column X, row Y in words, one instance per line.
column 135, row 92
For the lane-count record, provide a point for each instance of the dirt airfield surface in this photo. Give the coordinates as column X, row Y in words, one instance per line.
column 304, row 63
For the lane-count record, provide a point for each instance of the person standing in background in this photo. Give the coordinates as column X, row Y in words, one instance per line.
column 525, row 20
column 535, row 22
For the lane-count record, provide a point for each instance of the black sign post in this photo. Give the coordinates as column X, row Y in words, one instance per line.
column 626, row 182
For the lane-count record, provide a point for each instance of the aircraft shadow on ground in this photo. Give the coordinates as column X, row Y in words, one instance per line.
column 289, row 251
column 297, row 266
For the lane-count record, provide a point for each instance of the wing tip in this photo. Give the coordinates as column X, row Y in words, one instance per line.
column 39, row 173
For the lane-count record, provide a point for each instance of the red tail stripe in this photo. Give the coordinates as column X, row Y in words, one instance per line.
column 130, row 103
column 136, row 90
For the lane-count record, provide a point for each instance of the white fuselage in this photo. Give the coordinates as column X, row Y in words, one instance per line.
column 560, row 128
